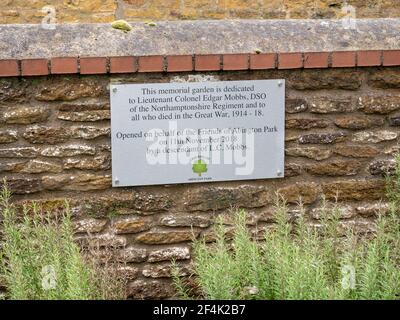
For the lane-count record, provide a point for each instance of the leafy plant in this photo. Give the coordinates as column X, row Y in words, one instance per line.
column 302, row 260
column 39, row 258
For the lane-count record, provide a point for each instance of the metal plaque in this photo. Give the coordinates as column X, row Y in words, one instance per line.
column 166, row 133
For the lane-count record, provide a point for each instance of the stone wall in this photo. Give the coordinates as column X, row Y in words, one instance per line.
column 341, row 134
column 342, row 128
column 30, row 11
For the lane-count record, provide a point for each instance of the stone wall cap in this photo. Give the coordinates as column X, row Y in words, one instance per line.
column 197, row 37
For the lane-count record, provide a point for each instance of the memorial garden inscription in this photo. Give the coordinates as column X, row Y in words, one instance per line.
column 197, row 132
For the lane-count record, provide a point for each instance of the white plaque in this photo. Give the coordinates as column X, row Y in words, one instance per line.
column 166, row 133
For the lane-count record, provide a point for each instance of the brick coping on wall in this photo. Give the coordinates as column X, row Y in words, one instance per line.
column 185, row 46
column 208, row 62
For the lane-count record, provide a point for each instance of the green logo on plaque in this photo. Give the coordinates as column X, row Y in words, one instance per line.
column 199, row 167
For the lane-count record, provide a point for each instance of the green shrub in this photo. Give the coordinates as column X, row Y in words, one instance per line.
column 300, row 260
column 39, row 258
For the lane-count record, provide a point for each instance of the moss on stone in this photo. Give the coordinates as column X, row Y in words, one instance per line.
column 121, row 25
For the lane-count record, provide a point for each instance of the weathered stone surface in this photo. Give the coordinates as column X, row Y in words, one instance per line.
column 382, row 167
column 55, row 182
column 148, row 202
column 95, row 11
column 25, row 115
column 106, row 240
column 354, row 189
column 380, row 104
column 124, row 203
column 83, row 182
column 53, row 204
column 154, row 289
column 40, row 166
column 388, row 78
column 68, row 150
column 356, row 151
column 289, row 137
column 68, row 89
column 100, row 162
column 217, row 198
column 335, row 168
column 374, row 136
column 188, row 220
column 308, row 192
column 373, row 209
column 314, row 153
column 89, row 132
column 19, row 152
column 296, row 105
column 132, row 254
column 332, row 79
column 357, row 122
column 345, row 211
column 84, row 116
column 78, row 106
column 165, row 271
column 89, row 225
column 329, row 105
column 174, row 253
column 306, row 123
column 8, row 136
column 13, row 90
column 23, row 185
column 104, row 147
column 394, row 120
column 228, row 218
column 361, row 226
column 165, row 237
column 46, row 135
column 210, row 234
column 313, row 35
column 11, row 165
column 322, row 138
column 128, row 273
column 292, row 169
column 131, row 225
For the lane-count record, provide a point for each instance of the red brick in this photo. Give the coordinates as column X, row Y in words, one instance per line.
column 290, row 60
column 343, row 59
column 9, row 68
column 235, row 62
column 64, row 65
column 316, row 60
column 93, row 65
column 262, row 61
column 179, row 63
column 123, row 64
column 207, row 62
column 391, row 58
column 34, row 67
column 151, row 64
column 369, row 58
